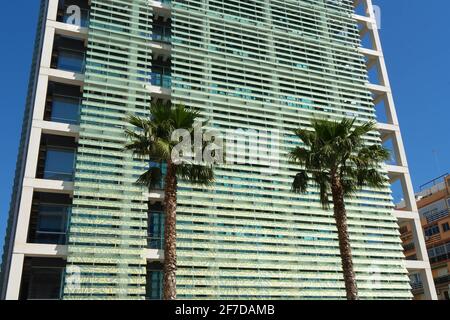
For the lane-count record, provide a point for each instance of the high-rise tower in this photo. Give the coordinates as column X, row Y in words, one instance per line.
column 79, row 227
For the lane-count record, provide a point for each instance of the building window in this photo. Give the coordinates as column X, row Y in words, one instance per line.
column 65, row 110
column 154, row 281
column 52, row 224
column 156, row 230
column 431, row 231
column 71, row 60
column 59, row 164
column 45, row 283
column 446, row 227
column 42, row 279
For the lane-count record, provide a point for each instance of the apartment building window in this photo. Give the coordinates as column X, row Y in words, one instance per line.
column 154, row 281
column 156, row 228
column 45, row 283
column 431, row 231
column 71, row 60
column 59, row 164
column 42, row 279
column 439, row 253
column 52, row 224
column 161, row 33
column 66, row 109
column 446, row 227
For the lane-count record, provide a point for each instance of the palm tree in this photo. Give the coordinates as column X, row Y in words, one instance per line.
column 336, row 159
column 151, row 140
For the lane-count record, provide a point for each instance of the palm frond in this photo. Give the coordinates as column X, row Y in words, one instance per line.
column 151, row 178
column 196, row 174
column 300, row 183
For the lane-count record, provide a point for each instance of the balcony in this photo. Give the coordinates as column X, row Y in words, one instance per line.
column 161, row 73
column 162, row 33
column 436, row 216
column 442, row 280
column 57, row 158
column 417, row 286
column 161, row 80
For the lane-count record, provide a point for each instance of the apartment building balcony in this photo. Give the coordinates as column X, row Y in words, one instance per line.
column 437, row 215
column 442, row 280
column 439, row 253
column 162, row 32
column 161, row 80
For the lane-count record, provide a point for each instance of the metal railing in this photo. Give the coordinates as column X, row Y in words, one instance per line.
column 417, row 285
column 432, row 217
column 160, row 80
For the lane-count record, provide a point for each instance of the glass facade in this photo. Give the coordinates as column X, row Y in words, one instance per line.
column 108, row 227
column 270, row 67
column 249, row 66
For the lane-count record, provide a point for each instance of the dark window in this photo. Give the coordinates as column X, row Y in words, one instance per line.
column 65, row 110
column 52, row 224
column 156, row 228
column 42, row 279
column 431, row 231
column 59, row 164
column 446, row 227
column 154, row 281
column 71, row 60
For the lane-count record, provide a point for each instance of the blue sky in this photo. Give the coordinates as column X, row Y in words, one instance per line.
column 417, row 51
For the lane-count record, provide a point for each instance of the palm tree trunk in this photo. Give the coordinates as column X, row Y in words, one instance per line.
column 170, row 234
column 340, row 215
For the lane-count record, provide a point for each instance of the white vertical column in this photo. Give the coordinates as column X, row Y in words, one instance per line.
column 15, row 277
column 26, row 203
column 26, row 200
column 412, row 216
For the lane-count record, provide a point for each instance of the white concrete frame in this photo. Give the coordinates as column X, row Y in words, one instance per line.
column 39, row 126
column 391, row 131
column 21, row 248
